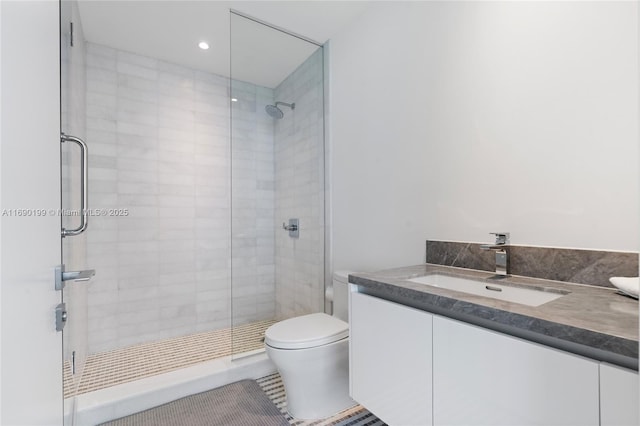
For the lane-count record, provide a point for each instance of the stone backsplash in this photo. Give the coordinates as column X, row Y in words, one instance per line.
column 592, row 267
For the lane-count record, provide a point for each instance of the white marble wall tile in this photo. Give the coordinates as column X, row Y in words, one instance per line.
column 299, row 189
column 161, row 149
column 100, row 57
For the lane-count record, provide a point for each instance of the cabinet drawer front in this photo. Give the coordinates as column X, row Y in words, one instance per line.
column 483, row 377
column 390, row 360
column 618, row 396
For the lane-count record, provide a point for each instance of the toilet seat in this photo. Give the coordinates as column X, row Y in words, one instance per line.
column 307, row 331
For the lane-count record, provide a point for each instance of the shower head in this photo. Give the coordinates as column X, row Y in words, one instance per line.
column 276, row 112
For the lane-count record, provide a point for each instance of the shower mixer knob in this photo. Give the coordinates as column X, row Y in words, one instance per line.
column 292, row 227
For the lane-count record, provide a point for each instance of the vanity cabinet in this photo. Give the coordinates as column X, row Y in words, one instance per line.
column 411, row 367
column 390, row 360
column 481, row 377
column 618, row 396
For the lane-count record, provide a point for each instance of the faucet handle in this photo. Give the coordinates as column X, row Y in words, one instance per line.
column 501, row 237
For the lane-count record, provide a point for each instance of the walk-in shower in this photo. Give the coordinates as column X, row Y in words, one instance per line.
column 195, row 265
column 276, row 112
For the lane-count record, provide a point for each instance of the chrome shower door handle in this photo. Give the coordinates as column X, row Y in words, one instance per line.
column 61, row 276
column 84, row 185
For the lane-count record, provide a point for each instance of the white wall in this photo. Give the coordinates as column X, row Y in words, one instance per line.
column 30, row 174
column 454, row 119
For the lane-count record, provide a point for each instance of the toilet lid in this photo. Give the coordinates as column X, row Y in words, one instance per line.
column 307, row 331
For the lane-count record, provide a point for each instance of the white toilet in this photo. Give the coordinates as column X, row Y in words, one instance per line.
column 311, row 353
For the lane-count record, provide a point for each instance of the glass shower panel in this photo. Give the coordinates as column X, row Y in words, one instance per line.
column 75, row 294
column 157, row 132
column 277, row 174
column 159, row 152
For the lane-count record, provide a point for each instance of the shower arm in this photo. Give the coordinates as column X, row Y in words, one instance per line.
column 291, row 105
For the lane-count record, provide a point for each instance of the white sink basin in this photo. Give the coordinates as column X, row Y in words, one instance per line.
column 524, row 296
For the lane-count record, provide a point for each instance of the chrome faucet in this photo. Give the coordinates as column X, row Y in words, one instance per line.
column 502, row 256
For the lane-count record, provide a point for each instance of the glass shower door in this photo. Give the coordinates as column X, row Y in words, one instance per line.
column 74, row 197
column 277, row 178
column 157, row 133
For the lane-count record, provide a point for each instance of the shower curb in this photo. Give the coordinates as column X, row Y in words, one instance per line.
column 128, row 398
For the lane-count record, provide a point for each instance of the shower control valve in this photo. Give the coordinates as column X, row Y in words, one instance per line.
column 292, row 227
column 289, row 227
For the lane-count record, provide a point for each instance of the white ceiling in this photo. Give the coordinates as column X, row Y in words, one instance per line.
column 171, row 30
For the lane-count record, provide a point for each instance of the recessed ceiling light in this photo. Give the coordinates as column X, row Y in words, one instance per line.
column 203, row 45
column 234, row 100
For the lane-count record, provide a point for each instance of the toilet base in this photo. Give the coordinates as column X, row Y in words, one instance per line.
column 316, row 380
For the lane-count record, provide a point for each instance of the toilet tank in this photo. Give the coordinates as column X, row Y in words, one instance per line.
column 341, row 295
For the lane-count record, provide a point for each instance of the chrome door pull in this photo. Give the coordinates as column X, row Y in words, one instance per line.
column 62, row 276
column 84, row 185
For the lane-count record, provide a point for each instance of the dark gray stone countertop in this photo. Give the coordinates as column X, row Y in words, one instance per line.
column 591, row 321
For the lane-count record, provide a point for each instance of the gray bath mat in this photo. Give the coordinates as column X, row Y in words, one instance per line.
column 237, row 404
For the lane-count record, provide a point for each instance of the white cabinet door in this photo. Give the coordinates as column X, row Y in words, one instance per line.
column 618, row 396
column 390, row 360
column 481, row 377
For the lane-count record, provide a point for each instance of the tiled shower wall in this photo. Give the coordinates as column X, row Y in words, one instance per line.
column 158, row 137
column 299, row 179
column 253, row 262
